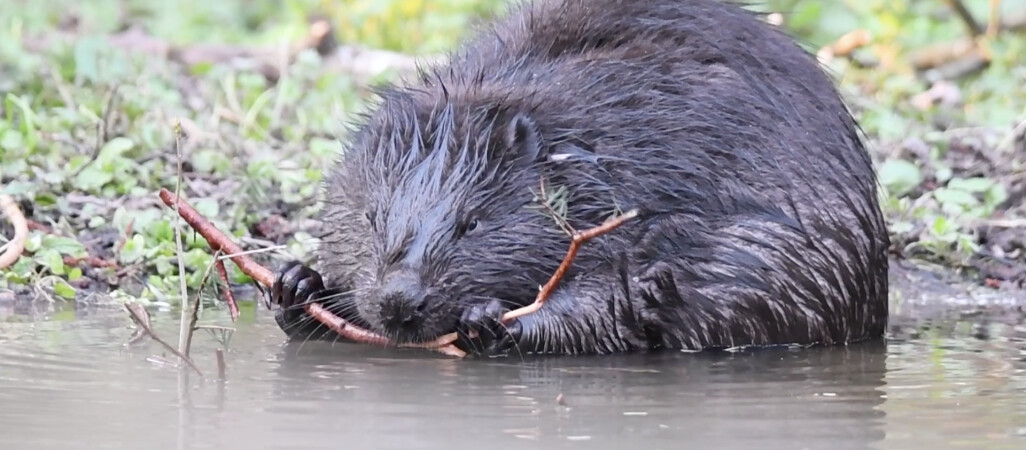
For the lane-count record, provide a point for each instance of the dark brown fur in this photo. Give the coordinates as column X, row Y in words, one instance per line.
column 759, row 222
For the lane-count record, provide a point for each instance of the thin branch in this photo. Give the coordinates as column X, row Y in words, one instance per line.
column 579, row 238
column 967, row 18
column 140, row 317
column 219, row 241
column 253, row 252
column 1001, row 223
column 444, row 344
column 62, row 89
column 183, row 329
column 233, row 308
column 994, row 19
column 344, row 328
column 124, row 238
column 216, row 238
column 212, row 328
column 196, row 303
column 102, row 130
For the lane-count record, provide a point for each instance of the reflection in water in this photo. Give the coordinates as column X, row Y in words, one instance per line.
column 72, row 384
column 770, row 398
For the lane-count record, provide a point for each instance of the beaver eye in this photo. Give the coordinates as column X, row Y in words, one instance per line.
column 468, row 226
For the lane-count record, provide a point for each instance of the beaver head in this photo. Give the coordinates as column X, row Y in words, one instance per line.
column 429, row 212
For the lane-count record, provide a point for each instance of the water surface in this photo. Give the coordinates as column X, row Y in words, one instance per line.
column 947, row 377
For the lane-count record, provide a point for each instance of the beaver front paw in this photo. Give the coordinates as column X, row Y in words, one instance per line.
column 482, row 334
column 294, row 286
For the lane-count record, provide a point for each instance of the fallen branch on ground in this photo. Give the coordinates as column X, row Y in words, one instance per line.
column 845, row 45
column 16, row 246
column 220, row 242
column 36, row 226
column 968, row 55
column 1012, row 21
column 91, row 261
column 966, row 51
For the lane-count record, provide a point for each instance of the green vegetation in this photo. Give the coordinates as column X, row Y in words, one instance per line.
column 954, row 168
column 87, row 130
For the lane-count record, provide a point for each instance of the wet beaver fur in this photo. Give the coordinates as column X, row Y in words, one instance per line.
column 759, row 221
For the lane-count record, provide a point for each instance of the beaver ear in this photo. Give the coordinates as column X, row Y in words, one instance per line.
column 523, row 136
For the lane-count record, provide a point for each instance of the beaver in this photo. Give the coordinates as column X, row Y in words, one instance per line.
column 757, row 224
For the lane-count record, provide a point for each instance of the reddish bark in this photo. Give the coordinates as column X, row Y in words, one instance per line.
column 218, row 240
column 233, row 308
column 443, row 344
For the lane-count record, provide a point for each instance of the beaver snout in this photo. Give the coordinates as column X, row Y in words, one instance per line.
column 403, row 302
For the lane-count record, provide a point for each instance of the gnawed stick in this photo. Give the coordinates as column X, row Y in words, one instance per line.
column 219, row 241
column 444, row 344
column 578, row 238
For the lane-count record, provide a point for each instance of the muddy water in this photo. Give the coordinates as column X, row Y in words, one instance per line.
column 948, row 377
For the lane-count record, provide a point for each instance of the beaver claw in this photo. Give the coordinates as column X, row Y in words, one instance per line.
column 481, row 332
column 294, row 286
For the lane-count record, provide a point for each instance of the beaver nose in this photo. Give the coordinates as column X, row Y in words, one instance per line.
column 402, row 303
